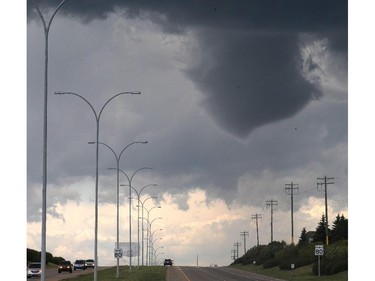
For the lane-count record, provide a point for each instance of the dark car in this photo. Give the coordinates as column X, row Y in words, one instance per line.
column 168, row 262
column 34, row 269
column 90, row 263
column 65, row 266
column 79, row 264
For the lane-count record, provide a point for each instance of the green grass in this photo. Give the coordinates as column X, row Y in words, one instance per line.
column 154, row 273
column 301, row 274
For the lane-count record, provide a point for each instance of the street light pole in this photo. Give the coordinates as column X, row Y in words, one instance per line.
column 130, row 179
column 152, row 253
column 118, row 157
column 149, row 231
column 142, row 203
column 139, row 201
column 46, row 28
column 97, row 119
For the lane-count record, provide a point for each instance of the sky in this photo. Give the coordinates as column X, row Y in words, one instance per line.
column 237, row 101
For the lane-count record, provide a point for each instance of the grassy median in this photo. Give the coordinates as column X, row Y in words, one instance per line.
column 302, row 273
column 145, row 273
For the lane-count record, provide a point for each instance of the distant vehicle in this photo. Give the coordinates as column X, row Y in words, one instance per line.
column 34, row 269
column 65, row 266
column 90, row 263
column 168, row 262
column 79, row 264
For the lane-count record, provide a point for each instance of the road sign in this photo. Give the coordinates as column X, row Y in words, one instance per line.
column 118, row 253
column 319, row 250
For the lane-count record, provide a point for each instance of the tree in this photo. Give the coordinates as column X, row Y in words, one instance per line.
column 320, row 233
column 340, row 228
column 303, row 239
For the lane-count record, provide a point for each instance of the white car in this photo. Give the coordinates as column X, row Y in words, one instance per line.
column 90, row 263
column 34, row 269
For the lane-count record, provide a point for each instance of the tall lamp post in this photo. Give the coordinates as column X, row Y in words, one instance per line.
column 142, row 205
column 149, row 224
column 152, row 253
column 130, row 179
column 156, row 254
column 46, row 28
column 139, row 201
column 97, row 119
column 118, row 157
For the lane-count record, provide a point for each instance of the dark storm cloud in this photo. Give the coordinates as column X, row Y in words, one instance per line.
column 248, row 82
column 249, row 60
column 295, row 15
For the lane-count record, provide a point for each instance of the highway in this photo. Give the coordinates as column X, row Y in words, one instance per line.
column 53, row 275
column 185, row 273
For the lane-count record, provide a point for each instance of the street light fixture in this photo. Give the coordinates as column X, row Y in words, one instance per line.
column 118, row 157
column 130, row 179
column 139, row 201
column 142, row 204
column 46, row 29
column 152, row 253
column 156, row 254
column 149, row 231
column 97, row 119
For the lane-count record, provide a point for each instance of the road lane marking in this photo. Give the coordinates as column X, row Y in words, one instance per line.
column 183, row 273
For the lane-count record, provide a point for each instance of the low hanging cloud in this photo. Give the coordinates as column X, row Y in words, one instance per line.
column 247, row 82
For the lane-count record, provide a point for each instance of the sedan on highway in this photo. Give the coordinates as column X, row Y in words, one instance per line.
column 90, row 263
column 34, row 269
column 79, row 264
column 65, row 266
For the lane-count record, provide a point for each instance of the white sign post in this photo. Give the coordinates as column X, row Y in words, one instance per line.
column 319, row 251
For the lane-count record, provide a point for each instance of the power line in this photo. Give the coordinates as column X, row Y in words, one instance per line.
column 271, row 203
column 289, row 189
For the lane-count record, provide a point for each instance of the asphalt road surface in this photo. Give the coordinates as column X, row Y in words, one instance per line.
column 185, row 273
column 53, row 275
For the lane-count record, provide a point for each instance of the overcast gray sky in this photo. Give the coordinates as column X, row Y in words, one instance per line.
column 238, row 98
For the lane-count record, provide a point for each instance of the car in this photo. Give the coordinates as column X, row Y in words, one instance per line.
column 90, row 263
column 65, row 266
column 34, row 269
column 168, row 262
column 79, row 264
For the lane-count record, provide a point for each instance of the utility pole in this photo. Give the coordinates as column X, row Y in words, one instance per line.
column 325, row 182
column 244, row 234
column 289, row 189
column 233, row 256
column 237, row 244
column 256, row 217
column 271, row 203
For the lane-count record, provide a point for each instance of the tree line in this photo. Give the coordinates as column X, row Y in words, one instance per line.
column 35, row 256
column 334, row 260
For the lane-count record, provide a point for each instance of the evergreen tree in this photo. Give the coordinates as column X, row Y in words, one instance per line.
column 320, row 233
column 340, row 228
column 303, row 239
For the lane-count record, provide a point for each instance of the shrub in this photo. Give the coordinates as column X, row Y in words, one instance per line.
column 271, row 263
column 290, row 251
column 335, row 260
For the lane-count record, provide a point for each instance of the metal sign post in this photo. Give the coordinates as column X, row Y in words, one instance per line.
column 319, row 251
